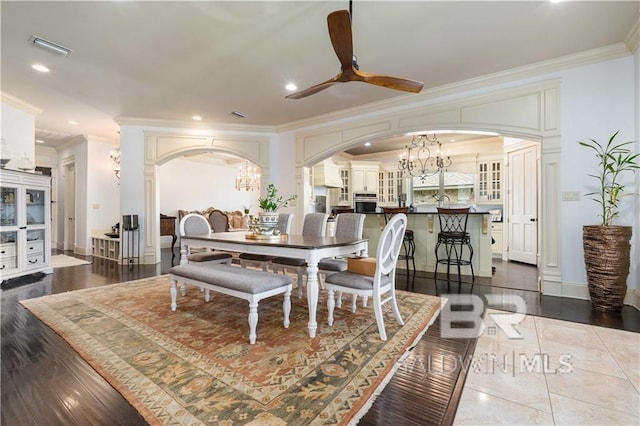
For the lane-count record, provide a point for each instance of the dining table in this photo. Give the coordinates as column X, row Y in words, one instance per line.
column 311, row 249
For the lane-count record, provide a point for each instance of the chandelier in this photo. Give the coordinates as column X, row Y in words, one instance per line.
column 418, row 161
column 248, row 179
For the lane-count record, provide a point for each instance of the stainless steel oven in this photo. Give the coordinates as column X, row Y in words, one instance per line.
column 365, row 203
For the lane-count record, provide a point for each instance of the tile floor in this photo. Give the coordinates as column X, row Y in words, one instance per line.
column 558, row 373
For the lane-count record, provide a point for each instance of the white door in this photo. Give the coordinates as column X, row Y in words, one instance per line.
column 523, row 205
column 69, row 207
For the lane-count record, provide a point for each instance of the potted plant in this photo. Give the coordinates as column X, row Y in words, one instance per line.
column 270, row 204
column 607, row 246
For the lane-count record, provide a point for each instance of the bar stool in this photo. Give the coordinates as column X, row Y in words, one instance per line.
column 453, row 234
column 408, row 242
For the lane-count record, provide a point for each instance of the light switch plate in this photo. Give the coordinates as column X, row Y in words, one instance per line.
column 570, row 196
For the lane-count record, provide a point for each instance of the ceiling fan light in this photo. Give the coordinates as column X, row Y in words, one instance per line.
column 50, row 46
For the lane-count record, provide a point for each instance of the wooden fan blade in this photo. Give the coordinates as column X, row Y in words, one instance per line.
column 314, row 89
column 396, row 83
column 339, row 23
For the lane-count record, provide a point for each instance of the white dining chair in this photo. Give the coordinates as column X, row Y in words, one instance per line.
column 263, row 261
column 315, row 225
column 195, row 224
column 383, row 281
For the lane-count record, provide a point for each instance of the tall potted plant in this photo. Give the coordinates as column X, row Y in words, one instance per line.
column 269, row 206
column 607, row 246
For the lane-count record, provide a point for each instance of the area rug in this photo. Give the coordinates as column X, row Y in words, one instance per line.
column 62, row 261
column 196, row 366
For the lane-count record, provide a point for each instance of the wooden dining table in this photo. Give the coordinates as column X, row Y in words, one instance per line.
column 311, row 249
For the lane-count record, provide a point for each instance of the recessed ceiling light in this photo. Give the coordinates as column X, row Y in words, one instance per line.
column 39, row 141
column 291, row 87
column 238, row 114
column 367, row 144
column 39, row 67
column 197, row 117
column 72, row 122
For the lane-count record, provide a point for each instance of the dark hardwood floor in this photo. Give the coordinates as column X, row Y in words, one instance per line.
column 45, row 382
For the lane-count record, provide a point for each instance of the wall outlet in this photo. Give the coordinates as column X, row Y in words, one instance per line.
column 571, row 196
column 96, row 206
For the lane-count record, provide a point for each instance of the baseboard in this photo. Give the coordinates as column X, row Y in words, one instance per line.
column 564, row 289
column 632, row 298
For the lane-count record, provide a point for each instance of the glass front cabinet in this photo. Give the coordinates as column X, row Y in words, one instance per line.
column 25, row 224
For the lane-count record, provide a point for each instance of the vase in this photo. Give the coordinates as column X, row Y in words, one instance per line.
column 267, row 224
column 607, row 259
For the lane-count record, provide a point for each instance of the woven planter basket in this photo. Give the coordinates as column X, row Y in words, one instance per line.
column 607, row 256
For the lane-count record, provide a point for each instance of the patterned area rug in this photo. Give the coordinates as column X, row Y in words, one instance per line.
column 196, row 366
column 62, row 261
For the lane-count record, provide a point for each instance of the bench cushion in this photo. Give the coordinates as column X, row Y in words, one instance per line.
column 232, row 277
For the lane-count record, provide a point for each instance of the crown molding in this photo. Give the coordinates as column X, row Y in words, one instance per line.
column 633, row 38
column 76, row 140
column 20, row 104
column 152, row 122
column 587, row 57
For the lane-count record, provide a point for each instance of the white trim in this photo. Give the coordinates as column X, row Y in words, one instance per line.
column 19, row 104
column 632, row 298
column 633, row 38
column 592, row 56
column 207, row 127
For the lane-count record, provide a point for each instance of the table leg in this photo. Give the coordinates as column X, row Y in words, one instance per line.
column 312, row 295
column 173, row 244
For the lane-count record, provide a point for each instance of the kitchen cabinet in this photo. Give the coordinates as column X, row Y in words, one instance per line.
column 364, row 177
column 25, row 224
column 497, row 235
column 389, row 182
column 341, row 196
column 490, row 181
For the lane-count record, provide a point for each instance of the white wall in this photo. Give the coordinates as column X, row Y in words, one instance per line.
column 103, row 197
column 18, row 130
column 597, row 100
column 205, row 185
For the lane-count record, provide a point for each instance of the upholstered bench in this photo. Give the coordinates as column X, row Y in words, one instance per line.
column 247, row 284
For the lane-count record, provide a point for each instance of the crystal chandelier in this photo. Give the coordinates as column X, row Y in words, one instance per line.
column 418, row 161
column 248, row 179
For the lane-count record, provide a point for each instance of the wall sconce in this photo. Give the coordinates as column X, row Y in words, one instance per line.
column 115, row 158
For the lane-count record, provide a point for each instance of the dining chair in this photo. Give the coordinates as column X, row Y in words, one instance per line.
column 408, row 242
column 219, row 221
column 348, row 225
column 383, row 280
column 263, row 261
column 315, row 225
column 195, row 224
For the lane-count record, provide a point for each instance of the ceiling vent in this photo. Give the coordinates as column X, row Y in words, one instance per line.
column 50, row 46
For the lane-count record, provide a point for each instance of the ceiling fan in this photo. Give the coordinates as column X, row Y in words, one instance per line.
column 339, row 23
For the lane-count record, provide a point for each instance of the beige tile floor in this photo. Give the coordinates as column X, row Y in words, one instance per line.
column 559, row 373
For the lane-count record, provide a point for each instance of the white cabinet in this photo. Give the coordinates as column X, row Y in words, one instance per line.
column 341, row 196
column 497, row 235
column 389, row 184
column 490, row 181
column 25, row 224
column 364, row 177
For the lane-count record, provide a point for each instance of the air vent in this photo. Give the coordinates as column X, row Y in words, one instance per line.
column 50, row 46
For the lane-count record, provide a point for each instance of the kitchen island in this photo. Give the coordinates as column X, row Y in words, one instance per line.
column 425, row 227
